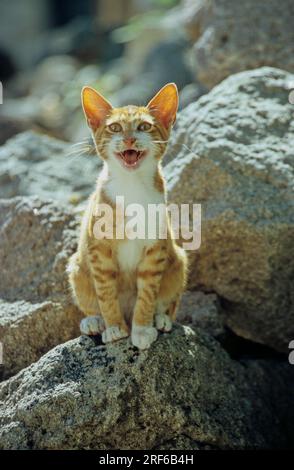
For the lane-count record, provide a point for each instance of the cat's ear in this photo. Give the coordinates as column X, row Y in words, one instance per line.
column 164, row 105
column 96, row 108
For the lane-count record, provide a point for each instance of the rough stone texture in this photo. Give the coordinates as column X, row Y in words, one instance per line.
column 201, row 310
column 232, row 152
column 234, row 36
column 36, row 313
column 34, row 164
column 184, row 391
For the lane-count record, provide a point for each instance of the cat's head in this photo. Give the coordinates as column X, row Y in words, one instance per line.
column 131, row 136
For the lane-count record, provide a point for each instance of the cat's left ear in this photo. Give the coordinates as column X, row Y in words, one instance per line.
column 96, row 107
column 164, row 105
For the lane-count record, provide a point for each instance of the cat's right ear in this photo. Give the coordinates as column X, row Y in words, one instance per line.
column 96, row 108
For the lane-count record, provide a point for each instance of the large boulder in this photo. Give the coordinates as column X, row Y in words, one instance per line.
column 234, row 36
column 201, row 310
column 35, row 164
column 232, row 152
column 36, row 312
column 184, row 391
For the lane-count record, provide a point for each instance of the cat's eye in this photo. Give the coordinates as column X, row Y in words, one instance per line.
column 115, row 127
column 144, row 126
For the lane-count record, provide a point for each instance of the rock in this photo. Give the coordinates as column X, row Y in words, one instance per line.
column 167, row 61
column 24, row 108
column 36, row 312
column 201, row 310
column 34, row 164
column 190, row 16
column 184, row 391
column 235, row 36
column 232, row 152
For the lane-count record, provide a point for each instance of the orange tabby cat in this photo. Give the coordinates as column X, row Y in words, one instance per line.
column 123, row 285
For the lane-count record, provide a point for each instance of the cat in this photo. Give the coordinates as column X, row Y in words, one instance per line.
column 128, row 286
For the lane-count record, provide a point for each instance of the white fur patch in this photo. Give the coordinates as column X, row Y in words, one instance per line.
column 113, row 333
column 136, row 187
column 130, row 253
column 92, row 325
column 163, row 322
column 143, row 336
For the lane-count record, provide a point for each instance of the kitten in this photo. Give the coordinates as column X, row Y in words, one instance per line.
column 128, row 286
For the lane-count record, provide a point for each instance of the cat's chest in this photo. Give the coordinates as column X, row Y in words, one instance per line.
column 136, row 192
column 138, row 198
column 130, row 252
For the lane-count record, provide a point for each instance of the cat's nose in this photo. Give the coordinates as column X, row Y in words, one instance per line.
column 129, row 141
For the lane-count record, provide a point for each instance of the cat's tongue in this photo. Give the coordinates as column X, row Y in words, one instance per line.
column 130, row 156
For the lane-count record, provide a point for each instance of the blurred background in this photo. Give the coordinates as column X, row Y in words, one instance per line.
column 126, row 49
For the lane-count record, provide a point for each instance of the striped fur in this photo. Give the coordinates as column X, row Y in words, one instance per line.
column 135, row 285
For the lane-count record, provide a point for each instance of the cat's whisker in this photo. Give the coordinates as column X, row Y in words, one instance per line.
column 187, row 148
column 84, row 153
column 83, row 142
column 81, row 147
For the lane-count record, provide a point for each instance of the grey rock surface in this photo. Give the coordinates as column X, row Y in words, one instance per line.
column 34, row 164
column 234, row 36
column 36, row 312
column 184, row 391
column 232, row 152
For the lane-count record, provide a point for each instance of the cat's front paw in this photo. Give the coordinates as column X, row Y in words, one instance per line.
column 163, row 322
column 92, row 325
column 113, row 333
column 143, row 336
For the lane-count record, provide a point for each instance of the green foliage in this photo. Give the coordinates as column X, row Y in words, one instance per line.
column 139, row 23
column 136, row 24
column 165, row 3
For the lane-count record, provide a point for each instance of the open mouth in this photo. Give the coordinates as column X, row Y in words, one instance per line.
column 131, row 158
